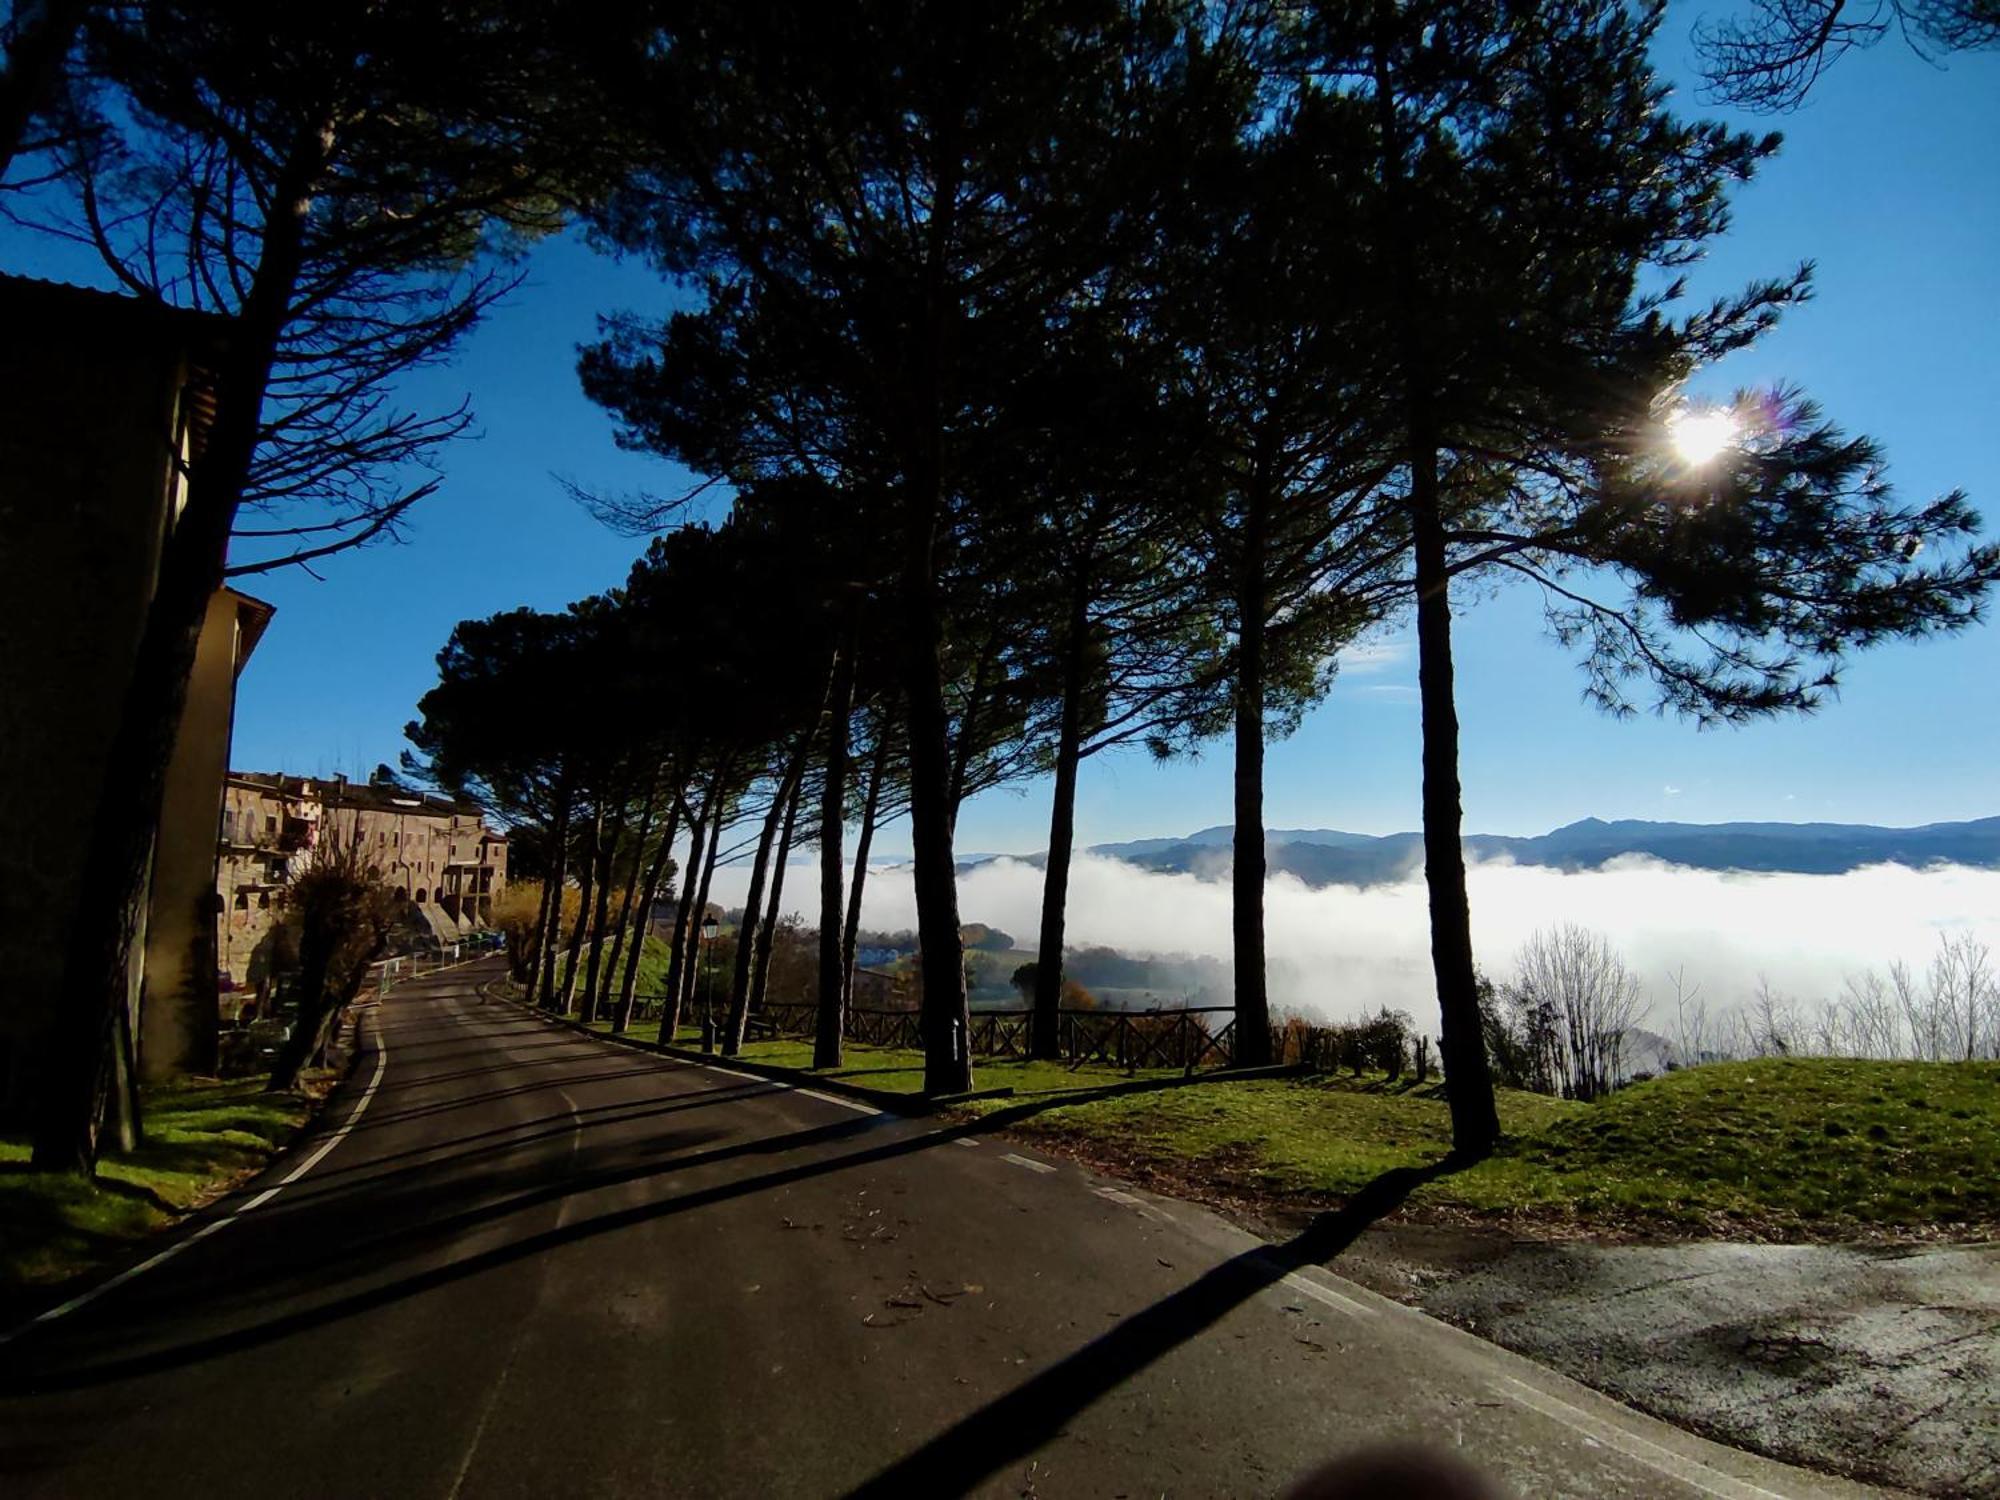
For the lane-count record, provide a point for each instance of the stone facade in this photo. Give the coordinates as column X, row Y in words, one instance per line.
column 106, row 403
column 439, row 854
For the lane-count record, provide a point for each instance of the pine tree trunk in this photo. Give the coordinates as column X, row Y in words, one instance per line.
column 607, row 999
column 690, row 978
column 1475, row 1119
column 566, row 996
column 126, row 1119
column 872, row 807
column 606, row 856
column 753, row 903
column 628, row 986
column 684, row 920
column 965, row 742
column 558, row 878
column 1252, row 1046
column 830, row 1014
column 526, row 965
column 760, row 971
column 112, row 889
column 1045, row 1039
column 941, row 951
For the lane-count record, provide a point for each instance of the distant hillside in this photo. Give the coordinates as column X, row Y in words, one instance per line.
column 1320, row 856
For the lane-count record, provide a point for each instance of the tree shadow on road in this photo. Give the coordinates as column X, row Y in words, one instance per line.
column 420, row 1224
column 1031, row 1414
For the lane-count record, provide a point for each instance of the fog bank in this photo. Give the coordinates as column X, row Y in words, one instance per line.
column 1338, row 951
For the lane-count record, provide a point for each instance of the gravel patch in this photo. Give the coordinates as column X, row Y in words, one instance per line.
column 1877, row 1363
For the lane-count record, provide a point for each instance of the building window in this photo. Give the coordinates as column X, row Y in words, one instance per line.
column 242, row 900
column 263, row 901
column 270, row 824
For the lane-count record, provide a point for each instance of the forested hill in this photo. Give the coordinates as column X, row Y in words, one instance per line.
column 1322, row 856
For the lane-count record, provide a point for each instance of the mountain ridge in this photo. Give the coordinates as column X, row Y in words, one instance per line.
column 1326, row 856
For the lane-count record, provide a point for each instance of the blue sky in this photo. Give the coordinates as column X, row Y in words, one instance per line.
column 1889, row 181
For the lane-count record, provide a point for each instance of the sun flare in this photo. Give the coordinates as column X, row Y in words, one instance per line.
column 1701, row 435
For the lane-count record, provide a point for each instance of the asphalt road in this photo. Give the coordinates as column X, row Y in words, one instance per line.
column 538, row 1264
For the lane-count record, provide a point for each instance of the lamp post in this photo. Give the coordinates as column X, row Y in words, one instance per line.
column 709, row 928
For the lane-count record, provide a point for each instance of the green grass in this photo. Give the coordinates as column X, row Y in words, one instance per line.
column 1782, row 1146
column 900, row 1070
column 1779, row 1146
column 200, row 1137
column 653, row 960
column 654, row 956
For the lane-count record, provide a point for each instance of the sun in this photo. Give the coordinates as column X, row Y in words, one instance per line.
column 1702, row 435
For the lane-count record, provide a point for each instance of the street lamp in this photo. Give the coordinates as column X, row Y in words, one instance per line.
column 709, row 928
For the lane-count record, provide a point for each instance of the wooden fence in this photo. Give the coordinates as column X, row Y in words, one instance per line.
column 1195, row 1037
column 1125, row 1039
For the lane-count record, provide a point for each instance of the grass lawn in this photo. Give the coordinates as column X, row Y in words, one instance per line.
column 1798, row 1145
column 655, row 955
column 1814, row 1146
column 900, row 1070
column 201, row 1136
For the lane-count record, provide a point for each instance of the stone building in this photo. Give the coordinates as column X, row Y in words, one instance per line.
column 106, row 402
column 438, row 853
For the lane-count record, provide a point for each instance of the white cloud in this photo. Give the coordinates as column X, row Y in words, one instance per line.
column 1374, row 656
column 1339, row 951
column 1671, row 791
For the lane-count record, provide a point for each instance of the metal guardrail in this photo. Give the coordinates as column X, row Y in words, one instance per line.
column 387, row 971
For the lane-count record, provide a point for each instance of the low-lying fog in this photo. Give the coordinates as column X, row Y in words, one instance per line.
column 1338, row 951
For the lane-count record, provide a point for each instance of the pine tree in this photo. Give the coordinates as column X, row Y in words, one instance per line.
column 1530, row 182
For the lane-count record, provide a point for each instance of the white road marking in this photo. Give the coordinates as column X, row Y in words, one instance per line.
column 1688, row 1471
column 777, row 1083
column 746, row 1077
column 854, row 1104
column 1021, row 1161
column 1328, row 1295
column 520, row 1328
column 963, row 1140
column 84, row 1299
column 1135, row 1202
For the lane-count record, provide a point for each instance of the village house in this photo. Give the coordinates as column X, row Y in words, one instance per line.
column 107, row 402
column 435, row 852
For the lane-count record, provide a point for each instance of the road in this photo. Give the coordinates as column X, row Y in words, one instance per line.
column 539, row 1264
